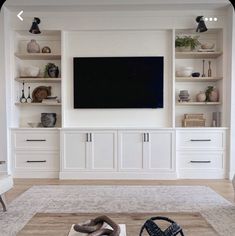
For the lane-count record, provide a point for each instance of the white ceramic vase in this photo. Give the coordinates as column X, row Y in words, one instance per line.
column 33, row 47
column 201, row 97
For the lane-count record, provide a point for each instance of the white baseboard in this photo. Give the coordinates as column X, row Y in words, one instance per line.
column 36, row 174
column 201, row 174
column 117, row 175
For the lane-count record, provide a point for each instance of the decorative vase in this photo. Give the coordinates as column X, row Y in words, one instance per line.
column 185, row 49
column 33, row 47
column 214, row 95
column 201, row 97
column 48, row 119
column 53, row 72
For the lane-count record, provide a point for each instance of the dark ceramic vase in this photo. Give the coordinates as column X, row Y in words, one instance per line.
column 48, row 119
column 53, row 72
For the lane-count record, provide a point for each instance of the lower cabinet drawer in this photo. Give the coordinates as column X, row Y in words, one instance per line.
column 200, row 160
column 200, row 139
column 35, row 140
column 36, row 161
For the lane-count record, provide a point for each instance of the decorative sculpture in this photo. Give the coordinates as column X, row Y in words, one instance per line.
column 97, row 227
column 154, row 230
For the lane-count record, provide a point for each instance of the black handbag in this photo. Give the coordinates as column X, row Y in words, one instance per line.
column 154, row 230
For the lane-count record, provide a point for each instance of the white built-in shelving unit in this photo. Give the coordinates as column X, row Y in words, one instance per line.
column 31, row 112
column 196, row 84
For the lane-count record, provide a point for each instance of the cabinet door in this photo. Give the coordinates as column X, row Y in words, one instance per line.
column 160, row 150
column 131, row 150
column 76, row 151
column 103, row 150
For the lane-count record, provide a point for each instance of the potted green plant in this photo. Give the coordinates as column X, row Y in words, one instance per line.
column 186, row 42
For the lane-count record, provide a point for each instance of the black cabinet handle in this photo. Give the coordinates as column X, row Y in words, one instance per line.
column 144, row 137
column 35, row 140
column 90, row 137
column 200, row 161
column 2, row 162
column 87, row 137
column 36, row 161
column 200, row 140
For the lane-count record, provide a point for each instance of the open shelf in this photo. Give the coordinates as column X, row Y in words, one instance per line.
column 38, row 80
column 38, row 56
column 37, row 104
column 198, row 79
column 197, row 55
column 198, row 103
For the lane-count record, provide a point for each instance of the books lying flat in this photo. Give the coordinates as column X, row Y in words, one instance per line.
column 72, row 232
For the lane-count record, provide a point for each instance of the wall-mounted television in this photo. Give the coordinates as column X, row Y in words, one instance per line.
column 118, row 82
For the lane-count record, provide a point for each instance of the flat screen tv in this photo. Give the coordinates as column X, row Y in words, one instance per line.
column 118, row 82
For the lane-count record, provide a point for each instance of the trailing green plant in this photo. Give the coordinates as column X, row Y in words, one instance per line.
column 208, row 92
column 187, row 41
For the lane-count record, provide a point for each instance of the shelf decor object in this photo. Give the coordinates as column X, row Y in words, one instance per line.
column 186, row 43
column 41, row 92
column 193, row 120
column 209, row 70
column 33, row 47
column 51, row 70
column 48, row 119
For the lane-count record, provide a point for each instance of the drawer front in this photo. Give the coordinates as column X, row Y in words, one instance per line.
column 36, row 161
column 36, row 140
column 208, row 140
column 201, row 160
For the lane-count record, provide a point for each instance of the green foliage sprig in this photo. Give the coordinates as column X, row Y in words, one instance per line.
column 187, row 41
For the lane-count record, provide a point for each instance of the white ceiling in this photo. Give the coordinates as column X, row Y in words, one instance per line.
column 97, row 5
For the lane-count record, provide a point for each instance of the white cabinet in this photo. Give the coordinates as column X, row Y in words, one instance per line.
column 161, row 151
column 35, row 153
column 88, row 150
column 117, row 154
column 131, row 150
column 201, row 153
column 146, row 150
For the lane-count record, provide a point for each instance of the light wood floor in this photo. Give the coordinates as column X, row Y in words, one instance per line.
column 223, row 187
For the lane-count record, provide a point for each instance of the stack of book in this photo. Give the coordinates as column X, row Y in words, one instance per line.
column 72, row 232
column 193, row 120
column 50, row 100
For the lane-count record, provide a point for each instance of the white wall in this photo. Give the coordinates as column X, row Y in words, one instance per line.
column 116, row 43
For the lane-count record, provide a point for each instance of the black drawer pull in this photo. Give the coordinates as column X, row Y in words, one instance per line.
column 2, row 162
column 35, row 140
column 200, row 140
column 36, row 161
column 200, row 161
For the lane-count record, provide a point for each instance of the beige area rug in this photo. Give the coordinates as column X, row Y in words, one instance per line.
column 124, row 199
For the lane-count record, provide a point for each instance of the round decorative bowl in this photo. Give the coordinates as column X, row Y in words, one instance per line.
column 48, row 119
column 195, row 74
column 184, row 72
column 30, row 71
column 207, row 45
column 34, row 124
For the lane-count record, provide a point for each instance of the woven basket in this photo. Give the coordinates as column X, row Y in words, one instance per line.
column 193, row 116
column 193, row 122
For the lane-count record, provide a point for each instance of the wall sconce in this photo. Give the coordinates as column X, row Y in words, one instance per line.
column 201, row 24
column 34, row 28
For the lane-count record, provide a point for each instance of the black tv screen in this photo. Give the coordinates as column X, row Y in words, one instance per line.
column 118, row 82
